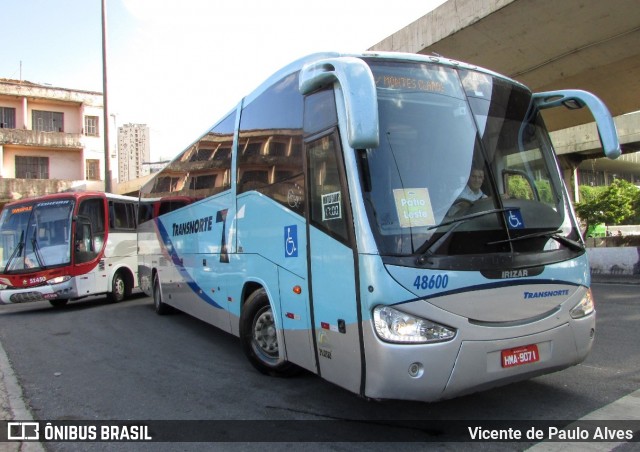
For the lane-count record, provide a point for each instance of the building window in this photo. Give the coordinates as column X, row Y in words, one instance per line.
column 32, row 167
column 166, row 184
column 201, row 155
column 7, row 118
column 93, row 169
column 202, row 182
column 47, row 121
column 91, row 126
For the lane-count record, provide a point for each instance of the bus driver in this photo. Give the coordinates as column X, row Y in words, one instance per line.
column 472, row 191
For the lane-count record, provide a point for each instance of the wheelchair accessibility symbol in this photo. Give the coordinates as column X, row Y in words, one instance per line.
column 514, row 219
column 291, row 241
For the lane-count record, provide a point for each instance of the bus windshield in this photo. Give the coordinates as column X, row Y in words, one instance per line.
column 464, row 167
column 35, row 235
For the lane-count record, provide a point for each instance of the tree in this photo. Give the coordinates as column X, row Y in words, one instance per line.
column 588, row 193
column 612, row 205
column 635, row 218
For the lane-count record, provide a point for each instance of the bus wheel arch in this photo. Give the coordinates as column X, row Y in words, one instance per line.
column 258, row 334
column 121, row 285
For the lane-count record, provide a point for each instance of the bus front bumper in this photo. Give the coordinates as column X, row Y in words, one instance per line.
column 450, row 369
column 64, row 290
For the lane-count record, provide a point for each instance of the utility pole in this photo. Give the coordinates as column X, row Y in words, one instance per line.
column 107, row 156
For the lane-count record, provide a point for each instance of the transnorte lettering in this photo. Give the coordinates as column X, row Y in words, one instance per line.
column 546, row 293
column 193, row 227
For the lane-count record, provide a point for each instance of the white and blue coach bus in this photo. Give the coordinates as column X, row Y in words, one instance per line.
column 328, row 225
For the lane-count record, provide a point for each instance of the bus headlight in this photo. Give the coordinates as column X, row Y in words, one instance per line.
column 394, row 326
column 59, row 279
column 585, row 307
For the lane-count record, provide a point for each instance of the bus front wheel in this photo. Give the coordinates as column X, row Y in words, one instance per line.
column 259, row 338
column 120, row 288
column 59, row 302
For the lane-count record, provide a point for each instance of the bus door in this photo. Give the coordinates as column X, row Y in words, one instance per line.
column 331, row 265
column 84, row 252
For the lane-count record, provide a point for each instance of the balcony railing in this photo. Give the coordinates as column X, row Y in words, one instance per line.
column 41, row 139
column 14, row 189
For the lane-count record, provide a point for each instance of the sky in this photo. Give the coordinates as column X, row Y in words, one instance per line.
column 179, row 66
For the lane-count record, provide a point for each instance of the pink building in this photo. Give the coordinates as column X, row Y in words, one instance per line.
column 51, row 140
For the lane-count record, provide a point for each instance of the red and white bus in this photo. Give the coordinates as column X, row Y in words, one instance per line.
column 66, row 246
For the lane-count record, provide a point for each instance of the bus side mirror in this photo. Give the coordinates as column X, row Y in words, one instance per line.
column 359, row 95
column 574, row 99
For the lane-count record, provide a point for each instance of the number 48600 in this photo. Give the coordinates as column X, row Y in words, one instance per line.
column 425, row 282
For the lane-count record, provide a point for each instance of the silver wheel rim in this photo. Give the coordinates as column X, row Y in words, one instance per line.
column 264, row 333
column 118, row 286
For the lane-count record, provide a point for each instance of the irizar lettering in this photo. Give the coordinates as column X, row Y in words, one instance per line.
column 515, row 273
column 193, row 227
column 546, row 293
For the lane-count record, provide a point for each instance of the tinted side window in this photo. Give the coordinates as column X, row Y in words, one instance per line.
column 152, row 208
column 201, row 170
column 145, row 212
column 327, row 197
column 270, row 143
column 319, row 111
column 94, row 210
column 170, row 205
column 90, row 229
column 122, row 215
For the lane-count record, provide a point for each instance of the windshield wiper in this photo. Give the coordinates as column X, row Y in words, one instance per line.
column 426, row 247
column 16, row 252
column 566, row 241
column 36, row 251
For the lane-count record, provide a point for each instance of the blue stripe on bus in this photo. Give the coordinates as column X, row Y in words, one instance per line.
column 495, row 285
column 168, row 245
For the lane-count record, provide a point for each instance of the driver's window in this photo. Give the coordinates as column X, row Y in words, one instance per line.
column 84, row 250
column 326, row 192
column 90, row 230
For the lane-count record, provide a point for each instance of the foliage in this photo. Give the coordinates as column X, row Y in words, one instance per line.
column 635, row 205
column 615, row 204
column 544, row 191
column 520, row 188
column 589, row 193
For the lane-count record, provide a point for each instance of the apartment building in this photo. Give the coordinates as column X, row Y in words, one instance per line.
column 51, row 140
column 134, row 152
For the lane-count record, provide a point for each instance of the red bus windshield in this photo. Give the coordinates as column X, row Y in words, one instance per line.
column 35, row 235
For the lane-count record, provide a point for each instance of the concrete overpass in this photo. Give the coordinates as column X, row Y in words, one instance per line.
column 547, row 44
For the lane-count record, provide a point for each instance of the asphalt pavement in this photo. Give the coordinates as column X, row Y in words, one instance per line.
column 13, row 407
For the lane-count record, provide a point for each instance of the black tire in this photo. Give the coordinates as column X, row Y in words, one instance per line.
column 120, row 288
column 161, row 307
column 58, row 303
column 259, row 339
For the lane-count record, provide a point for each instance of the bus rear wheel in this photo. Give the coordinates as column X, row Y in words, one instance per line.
column 259, row 338
column 120, row 288
column 161, row 307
